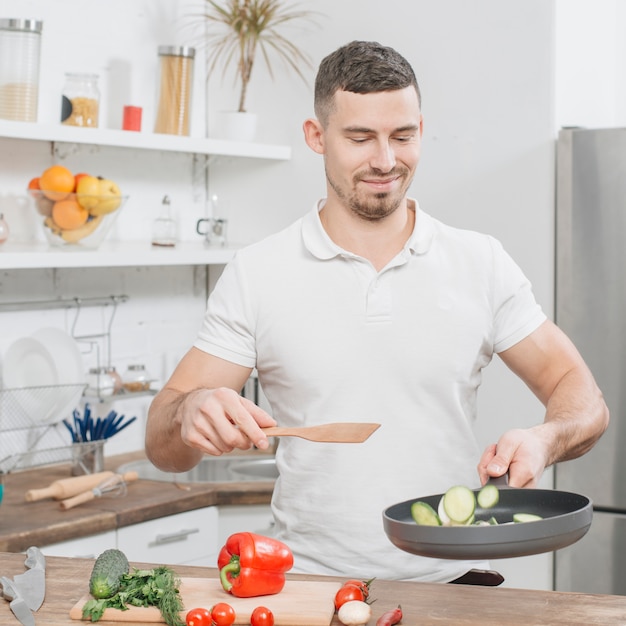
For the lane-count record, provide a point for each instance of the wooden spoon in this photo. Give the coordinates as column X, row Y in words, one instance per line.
column 340, row 432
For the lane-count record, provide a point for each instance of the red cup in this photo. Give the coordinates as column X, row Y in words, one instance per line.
column 132, row 118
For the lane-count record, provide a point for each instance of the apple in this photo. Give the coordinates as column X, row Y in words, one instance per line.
column 110, row 197
column 87, row 191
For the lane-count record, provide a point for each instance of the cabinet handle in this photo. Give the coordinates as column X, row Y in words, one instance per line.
column 179, row 535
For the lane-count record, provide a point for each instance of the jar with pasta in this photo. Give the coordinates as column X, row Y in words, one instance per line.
column 175, row 92
column 81, row 100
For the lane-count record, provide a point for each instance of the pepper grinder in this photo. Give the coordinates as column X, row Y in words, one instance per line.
column 4, row 229
column 164, row 228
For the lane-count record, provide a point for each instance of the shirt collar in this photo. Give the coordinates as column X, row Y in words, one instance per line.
column 320, row 245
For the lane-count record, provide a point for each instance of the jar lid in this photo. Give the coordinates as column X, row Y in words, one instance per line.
column 32, row 26
column 97, row 370
column 81, row 76
column 177, row 51
column 136, row 368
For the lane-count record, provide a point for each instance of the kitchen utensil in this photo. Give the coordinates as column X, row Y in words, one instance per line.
column 566, row 517
column 115, row 484
column 300, row 603
column 32, row 583
column 339, row 432
column 17, row 603
column 68, row 487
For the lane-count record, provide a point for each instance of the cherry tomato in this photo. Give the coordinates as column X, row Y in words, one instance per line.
column 262, row 616
column 348, row 593
column 198, row 617
column 363, row 585
column 223, row 614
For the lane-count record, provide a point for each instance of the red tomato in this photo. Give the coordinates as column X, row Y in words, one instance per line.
column 347, row 593
column 223, row 614
column 198, row 617
column 262, row 616
column 363, row 585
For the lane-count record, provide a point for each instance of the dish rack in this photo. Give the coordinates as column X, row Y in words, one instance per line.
column 22, row 427
column 20, row 430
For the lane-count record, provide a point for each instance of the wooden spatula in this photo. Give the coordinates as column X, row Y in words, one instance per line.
column 340, row 432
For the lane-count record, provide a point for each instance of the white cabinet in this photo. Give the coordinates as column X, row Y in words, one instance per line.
column 83, row 548
column 185, row 538
column 254, row 518
column 189, row 538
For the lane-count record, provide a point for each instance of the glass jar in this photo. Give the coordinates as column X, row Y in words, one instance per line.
column 80, row 101
column 100, row 383
column 175, row 90
column 136, row 378
column 117, row 379
column 164, row 227
column 20, row 42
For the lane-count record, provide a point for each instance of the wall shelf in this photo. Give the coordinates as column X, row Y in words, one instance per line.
column 40, row 255
column 142, row 140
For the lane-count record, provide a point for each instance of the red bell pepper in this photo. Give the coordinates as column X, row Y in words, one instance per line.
column 253, row 565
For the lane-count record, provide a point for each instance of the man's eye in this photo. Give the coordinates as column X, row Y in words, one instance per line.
column 358, row 139
column 404, row 138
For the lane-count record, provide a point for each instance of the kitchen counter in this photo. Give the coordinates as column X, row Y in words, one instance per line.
column 24, row 524
column 423, row 604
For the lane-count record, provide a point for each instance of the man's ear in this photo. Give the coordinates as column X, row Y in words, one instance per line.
column 314, row 135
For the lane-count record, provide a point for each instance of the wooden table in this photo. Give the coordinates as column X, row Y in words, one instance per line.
column 423, row 604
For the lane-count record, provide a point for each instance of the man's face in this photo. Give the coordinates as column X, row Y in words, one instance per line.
column 371, row 147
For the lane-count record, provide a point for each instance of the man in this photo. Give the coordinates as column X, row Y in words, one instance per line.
column 368, row 309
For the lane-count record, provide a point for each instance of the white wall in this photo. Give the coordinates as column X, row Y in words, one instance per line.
column 492, row 104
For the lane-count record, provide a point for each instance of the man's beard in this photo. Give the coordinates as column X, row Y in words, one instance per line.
column 374, row 207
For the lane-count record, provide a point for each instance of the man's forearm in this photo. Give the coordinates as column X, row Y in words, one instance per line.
column 164, row 445
column 576, row 416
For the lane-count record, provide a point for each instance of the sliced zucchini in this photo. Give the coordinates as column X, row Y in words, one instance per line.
column 459, row 503
column 424, row 514
column 520, row 518
column 488, row 497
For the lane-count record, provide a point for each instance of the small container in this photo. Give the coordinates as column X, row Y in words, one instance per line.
column 176, row 80
column 164, row 227
column 136, row 378
column 80, row 101
column 4, row 229
column 100, row 383
column 20, row 43
column 118, row 385
column 132, row 118
column 87, row 457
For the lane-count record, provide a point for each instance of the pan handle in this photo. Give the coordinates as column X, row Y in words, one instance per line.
column 499, row 481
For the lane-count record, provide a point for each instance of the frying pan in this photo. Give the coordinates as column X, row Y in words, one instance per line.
column 566, row 517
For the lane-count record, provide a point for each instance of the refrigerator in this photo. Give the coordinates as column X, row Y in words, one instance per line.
column 591, row 309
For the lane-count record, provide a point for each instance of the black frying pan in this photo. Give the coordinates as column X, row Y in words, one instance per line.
column 566, row 517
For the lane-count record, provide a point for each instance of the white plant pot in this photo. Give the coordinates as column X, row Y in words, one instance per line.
column 236, row 126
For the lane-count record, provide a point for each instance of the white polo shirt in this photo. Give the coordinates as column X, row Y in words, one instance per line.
column 334, row 340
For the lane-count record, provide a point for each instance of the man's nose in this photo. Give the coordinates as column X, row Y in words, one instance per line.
column 384, row 158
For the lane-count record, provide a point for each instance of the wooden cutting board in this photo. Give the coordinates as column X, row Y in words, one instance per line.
column 300, row 603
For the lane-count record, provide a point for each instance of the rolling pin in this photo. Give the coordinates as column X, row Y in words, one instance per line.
column 68, row 487
column 109, row 484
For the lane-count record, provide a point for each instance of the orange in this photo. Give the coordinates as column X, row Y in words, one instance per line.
column 68, row 214
column 56, row 182
column 33, row 185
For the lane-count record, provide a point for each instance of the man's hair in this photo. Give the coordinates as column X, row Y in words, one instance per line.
column 360, row 67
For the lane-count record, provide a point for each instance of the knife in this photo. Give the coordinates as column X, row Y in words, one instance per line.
column 16, row 602
column 32, row 584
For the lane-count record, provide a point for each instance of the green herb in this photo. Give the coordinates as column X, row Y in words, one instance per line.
column 154, row 587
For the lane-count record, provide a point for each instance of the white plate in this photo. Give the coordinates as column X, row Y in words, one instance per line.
column 69, row 366
column 28, row 364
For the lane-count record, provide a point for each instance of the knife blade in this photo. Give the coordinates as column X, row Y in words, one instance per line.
column 17, row 604
column 32, row 584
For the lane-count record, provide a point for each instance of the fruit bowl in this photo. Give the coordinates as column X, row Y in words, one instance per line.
column 76, row 220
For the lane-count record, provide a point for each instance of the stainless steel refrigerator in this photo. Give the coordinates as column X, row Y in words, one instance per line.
column 591, row 309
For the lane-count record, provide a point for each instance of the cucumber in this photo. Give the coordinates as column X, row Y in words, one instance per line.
column 459, row 503
column 520, row 518
column 109, row 567
column 424, row 514
column 488, row 497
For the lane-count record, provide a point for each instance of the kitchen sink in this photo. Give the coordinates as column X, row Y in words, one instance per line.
column 218, row 469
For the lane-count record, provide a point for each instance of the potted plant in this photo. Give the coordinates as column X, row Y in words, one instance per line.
column 239, row 29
